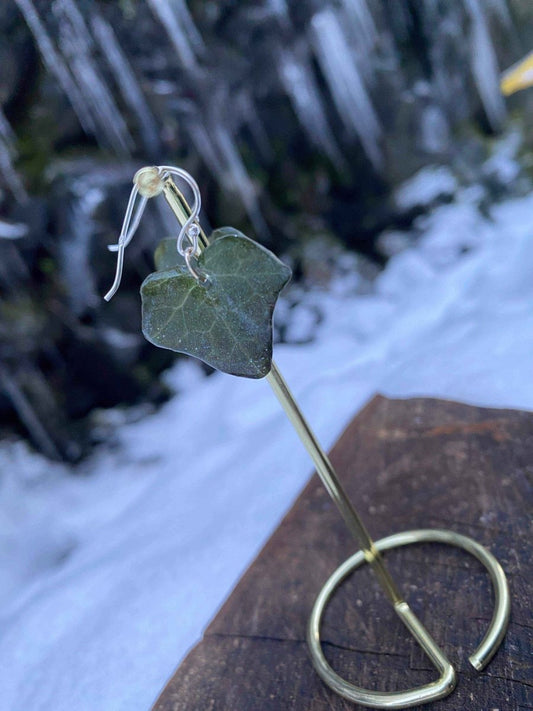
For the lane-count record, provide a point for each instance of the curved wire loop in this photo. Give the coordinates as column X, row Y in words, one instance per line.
column 191, row 228
column 188, row 233
column 131, row 221
column 446, row 682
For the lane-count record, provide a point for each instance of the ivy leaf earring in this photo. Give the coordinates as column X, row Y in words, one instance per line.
column 223, row 317
column 218, row 306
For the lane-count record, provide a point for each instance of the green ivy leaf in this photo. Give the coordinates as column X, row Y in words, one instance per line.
column 226, row 321
column 166, row 255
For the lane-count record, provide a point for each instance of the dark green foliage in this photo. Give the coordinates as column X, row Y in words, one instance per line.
column 225, row 321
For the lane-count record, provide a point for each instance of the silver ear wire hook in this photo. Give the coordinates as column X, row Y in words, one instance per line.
column 191, row 229
column 149, row 182
column 129, row 227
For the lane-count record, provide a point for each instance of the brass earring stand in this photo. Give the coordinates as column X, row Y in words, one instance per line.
column 371, row 553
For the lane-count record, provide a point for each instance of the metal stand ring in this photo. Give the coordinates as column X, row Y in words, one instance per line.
column 404, row 699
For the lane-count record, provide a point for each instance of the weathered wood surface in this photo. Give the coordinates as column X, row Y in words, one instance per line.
column 406, row 464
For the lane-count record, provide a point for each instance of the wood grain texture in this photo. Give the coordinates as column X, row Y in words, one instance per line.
column 406, row 464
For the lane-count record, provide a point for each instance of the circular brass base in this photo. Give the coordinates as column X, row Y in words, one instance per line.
column 446, row 683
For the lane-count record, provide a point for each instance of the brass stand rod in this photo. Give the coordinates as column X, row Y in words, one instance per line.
column 333, row 486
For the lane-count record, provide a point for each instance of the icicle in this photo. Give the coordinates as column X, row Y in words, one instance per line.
column 76, row 44
column 299, row 83
column 246, row 108
column 56, row 65
column 184, row 16
column 5, row 130
column 9, row 383
column 363, row 26
column 7, row 155
column 75, row 247
column 126, row 81
column 202, row 141
column 280, row 10
column 236, row 177
column 180, row 29
column 434, row 129
column 484, row 65
column 500, row 9
column 217, row 148
column 345, row 83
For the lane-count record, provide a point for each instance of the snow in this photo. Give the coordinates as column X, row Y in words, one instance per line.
column 426, row 186
column 110, row 576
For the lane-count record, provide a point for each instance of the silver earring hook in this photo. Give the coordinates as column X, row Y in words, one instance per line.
column 149, row 182
column 129, row 227
column 191, row 228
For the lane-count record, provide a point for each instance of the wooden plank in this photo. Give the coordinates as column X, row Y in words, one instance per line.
column 406, row 464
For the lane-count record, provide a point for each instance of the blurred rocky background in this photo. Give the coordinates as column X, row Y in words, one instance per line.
column 301, row 120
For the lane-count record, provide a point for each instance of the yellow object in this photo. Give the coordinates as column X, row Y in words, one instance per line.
column 518, row 77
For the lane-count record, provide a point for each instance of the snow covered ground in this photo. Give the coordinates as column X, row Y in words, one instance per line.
column 108, row 578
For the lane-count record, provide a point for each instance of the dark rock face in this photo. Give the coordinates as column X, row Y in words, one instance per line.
column 279, row 109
